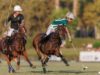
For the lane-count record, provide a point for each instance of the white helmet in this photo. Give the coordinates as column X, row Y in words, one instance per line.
column 70, row 15
column 17, row 8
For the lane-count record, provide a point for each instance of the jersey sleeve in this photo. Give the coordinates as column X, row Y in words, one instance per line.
column 8, row 20
column 65, row 23
column 60, row 22
column 21, row 20
column 21, row 17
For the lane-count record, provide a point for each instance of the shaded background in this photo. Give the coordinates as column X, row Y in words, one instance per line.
column 40, row 13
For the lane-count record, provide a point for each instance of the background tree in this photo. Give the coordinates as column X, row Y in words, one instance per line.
column 39, row 13
column 75, row 7
column 57, row 4
column 91, row 15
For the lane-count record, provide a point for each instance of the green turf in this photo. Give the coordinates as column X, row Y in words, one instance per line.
column 53, row 68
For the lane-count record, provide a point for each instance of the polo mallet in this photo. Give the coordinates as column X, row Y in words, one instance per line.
column 74, row 48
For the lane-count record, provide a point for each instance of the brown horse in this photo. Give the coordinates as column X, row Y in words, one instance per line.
column 49, row 46
column 7, row 54
column 18, row 45
column 15, row 49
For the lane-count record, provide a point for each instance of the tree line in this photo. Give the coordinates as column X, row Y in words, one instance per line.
column 39, row 13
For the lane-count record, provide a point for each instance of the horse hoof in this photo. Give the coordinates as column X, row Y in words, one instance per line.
column 44, row 70
column 9, row 71
column 13, row 71
column 33, row 66
column 67, row 65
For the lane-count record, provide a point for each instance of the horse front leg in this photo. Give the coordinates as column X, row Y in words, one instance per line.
column 44, row 61
column 16, row 58
column 44, row 67
column 39, row 53
column 43, row 58
column 27, row 59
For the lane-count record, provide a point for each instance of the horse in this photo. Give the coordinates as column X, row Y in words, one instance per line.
column 19, row 44
column 49, row 46
column 6, row 53
column 15, row 48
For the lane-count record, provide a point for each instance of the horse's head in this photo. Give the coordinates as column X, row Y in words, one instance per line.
column 61, row 31
column 20, row 33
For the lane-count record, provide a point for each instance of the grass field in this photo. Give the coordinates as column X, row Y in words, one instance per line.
column 53, row 68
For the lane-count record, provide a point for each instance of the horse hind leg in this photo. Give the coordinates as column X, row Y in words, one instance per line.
column 46, row 60
column 11, row 69
column 27, row 59
column 59, row 54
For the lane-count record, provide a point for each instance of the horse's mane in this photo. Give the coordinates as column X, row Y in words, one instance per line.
column 62, row 31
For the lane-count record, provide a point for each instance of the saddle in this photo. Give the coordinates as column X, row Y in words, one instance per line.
column 43, row 38
column 9, row 40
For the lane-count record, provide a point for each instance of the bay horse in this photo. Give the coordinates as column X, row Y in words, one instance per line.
column 15, row 49
column 19, row 45
column 49, row 46
column 7, row 54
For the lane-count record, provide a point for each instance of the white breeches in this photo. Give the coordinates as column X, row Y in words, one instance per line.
column 49, row 30
column 10, row 32
column 63, row 42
